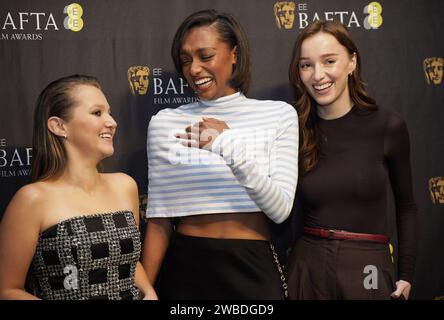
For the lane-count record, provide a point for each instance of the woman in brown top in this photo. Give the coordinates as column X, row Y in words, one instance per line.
column 351, row 153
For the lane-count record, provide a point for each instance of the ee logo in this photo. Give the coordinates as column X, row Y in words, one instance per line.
column 73, row 21
column 374, row 18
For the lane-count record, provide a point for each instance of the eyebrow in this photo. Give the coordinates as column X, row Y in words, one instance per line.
column 182, row 52
column 322, row 56
column 100, row 106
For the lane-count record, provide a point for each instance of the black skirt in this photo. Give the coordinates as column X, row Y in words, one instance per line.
column 199, row 268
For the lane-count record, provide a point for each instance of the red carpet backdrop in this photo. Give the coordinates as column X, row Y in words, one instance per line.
column 126, row 44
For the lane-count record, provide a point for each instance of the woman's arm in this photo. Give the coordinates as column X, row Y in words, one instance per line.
column 158, row 230
column 156, row 242
column 397, row 152
column 19, row 232
column 143, row 283
column 141, row 279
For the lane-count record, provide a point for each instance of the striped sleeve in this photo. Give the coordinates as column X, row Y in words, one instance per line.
column 272, row 192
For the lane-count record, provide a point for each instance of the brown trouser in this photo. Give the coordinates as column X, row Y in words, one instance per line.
column 321, row 268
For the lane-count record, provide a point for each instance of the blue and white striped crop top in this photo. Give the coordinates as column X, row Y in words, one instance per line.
column 253, row 166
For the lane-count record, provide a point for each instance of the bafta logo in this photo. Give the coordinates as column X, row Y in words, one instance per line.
column 138, row 80
column 433, row 70
column 284, row 14
column 436, row 188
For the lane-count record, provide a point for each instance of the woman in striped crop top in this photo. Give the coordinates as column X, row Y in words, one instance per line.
column 219, row 168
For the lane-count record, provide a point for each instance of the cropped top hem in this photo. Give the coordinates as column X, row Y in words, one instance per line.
column 202, row 212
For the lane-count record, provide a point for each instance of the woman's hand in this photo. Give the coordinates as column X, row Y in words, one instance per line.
column 203, row 133
column 143, row 284
column 402, row 287
column 149, row 294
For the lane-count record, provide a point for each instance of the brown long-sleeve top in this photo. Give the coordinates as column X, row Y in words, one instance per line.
column 363, row 154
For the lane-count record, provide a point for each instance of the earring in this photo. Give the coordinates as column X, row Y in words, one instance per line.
column 65, row 137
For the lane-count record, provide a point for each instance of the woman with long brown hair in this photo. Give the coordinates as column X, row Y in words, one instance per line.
column 351, row 153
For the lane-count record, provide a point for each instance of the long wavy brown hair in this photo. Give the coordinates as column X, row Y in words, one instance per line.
column 310, row 134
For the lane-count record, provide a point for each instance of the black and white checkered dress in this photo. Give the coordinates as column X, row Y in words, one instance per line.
column 88, row 257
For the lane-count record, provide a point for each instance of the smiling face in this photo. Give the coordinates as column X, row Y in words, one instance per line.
column 207, row 63
column 324, row 67
column 91, row 128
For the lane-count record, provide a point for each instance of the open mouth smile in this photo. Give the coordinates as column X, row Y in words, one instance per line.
column 322, row 87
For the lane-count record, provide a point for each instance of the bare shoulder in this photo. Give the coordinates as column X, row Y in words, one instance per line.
column 30, row 194
column 121, row 183
column 125, row 189
column 120, row 179
column 27, row 203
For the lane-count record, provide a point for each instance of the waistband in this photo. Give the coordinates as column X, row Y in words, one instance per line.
column 345, row 235
column 181, row 239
